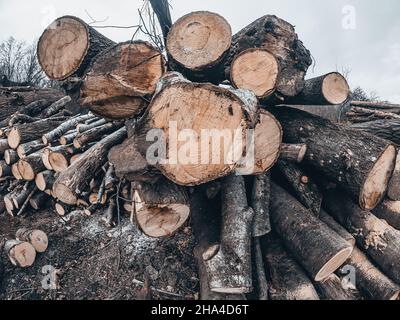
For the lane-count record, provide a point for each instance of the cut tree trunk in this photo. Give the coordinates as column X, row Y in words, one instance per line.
column 390, row 211
column 21, row 254
column 54, row 135
column 63, row 209
column 315, row 246
column 39, row 200
column 60, row 159
column 28, row 148
column 15, row 171
column 10, row 157
column 373, row 284
column 394, row 184
column 160, row 209
column 210, row 113
column 57, row 106
column 198, row 44
column 30, row 166
column 337, row 227
column 37, row 238
column 228, row 263
column 279, row 38
column 287, row 279
column 301, row 185
column 3, row 146
column 73, row 181
column 5, row 170
column 385, row 129
column 205, row 224
column 332, row 289
column 20, row 196
column 333, row 113
column 31, row 131
column 82, row 127
column 293, row 152
column 360, row 163
column 257, row 70
column 95, row 134
column 118, row 82
column 375, row 236
column 67, row 47
column 260, row 203
column 331, row 88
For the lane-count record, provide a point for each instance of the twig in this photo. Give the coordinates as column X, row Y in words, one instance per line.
column 26, row 202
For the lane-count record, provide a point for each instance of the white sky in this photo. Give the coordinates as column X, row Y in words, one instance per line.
column 370, row 49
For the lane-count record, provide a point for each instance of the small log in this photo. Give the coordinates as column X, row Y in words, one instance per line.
column 20, row 197
column 299, row 229
column 18, row 118
column 31, row 131
column 3, row 146
column 120, row 78
column 73, row 181
column 335, row 226
column 30, row 166
column 45, row 180
column 370, row 280
column 360, row 163
column 37, row 238
column 331, row 88
column 94, row 198
column 8, row 200
column 49, row 137
column 10, row 157
column 68, row 138
column 63, row 209
column 301, row 185
column 83, row 127
column 46, row 153
column 28, row 148
column 260, row 204
column 293, row 152
column 228, row 263
column 198, row 44
column 288, row 280
column 60, row 160
column 21, row 254
column 95, row 134
column 332, row 289
column 89, row 211
column 57, row 106
column 160, row 209
column 15, row 171
column 68, row 46
column 279, row 38
column 38, row 200
column 375, row 236
column 5, row 170
column 390, row 212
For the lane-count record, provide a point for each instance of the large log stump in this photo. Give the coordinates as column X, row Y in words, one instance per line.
column 360, row 163
column 67, row 47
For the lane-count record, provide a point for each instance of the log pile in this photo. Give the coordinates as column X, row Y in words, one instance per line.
column 226, row 131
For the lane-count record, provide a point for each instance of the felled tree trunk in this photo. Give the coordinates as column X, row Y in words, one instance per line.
column 390, row 212
column 279, row 38
column 288, row 280
column 10, row 157
column 229, row 263
column 31, row 131
column 376, row 237
column 73, row 181
column 28, row 148
column 331, row 88
column 95, row 134
column 68, row 46
column 299, row 229
column 386, row 129
column 370, row 280
column 360, row 163
column 260, row 203
column 118, row 82
column 302, row 186
column 332, row 289
column 21, row 254
column 30, row 166
column 338, row 228
column 198, row 44
column 160, row 208
column 37, row 238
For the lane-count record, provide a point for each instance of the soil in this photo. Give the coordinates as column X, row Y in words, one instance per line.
column 88, row 261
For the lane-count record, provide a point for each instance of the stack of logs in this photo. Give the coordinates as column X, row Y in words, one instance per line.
column 300, row 213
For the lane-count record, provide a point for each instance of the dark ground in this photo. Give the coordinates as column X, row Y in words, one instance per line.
column 95, row 262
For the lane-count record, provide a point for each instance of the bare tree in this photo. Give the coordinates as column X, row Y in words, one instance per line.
column 19, row 64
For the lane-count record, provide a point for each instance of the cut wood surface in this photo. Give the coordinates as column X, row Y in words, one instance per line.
column 360, row 163
column 28, row 148
column 37, row 238
column 314, row 245
column 197, row 45
column 10, row 157
column 279, row 38
column 67, row 46
column 21, row 254
column 30, row 166
column 293, row 152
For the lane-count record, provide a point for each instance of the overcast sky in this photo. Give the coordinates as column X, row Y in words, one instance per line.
column 362, row 36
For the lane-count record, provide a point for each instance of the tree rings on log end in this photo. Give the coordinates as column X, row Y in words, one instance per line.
column 376, row 184
column 333, row 264
column 335, row 88
column 64, row 194
column 199, row 40
column 255, row 70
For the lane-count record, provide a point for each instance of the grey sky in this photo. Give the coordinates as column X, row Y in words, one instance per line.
column 371, row 50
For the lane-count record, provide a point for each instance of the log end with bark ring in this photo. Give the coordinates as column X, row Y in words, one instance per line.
column 64, row 194
column 199, row 40
column 63, row 47
column 335, row 88
column 21, row 254
column 333, row 264
column 255, row 70
column 375, row 186
column 26, row 170
column 37, row 238
column 16, row 172
column 14, row 138
column 58, row 161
